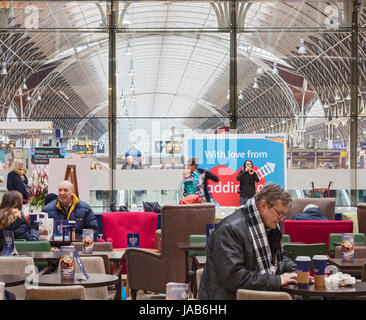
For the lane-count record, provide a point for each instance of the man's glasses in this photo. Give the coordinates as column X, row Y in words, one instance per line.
column 281, row 215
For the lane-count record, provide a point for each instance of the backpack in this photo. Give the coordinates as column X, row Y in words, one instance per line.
column 151, row 206
column 191, row 198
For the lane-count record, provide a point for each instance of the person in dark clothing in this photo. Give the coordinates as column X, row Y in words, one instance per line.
column 49, row 198
column 247, row 177
column 245, row 251
column 69, row 207
column 129, row 164
column 311, row 212
column 13, row 219
column 205, row 175
column 17, row 180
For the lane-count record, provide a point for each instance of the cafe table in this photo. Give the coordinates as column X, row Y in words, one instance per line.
column 353, row 268
column 12, row 280
column 54, row 257
column 359, row 289
column 95, row 280
column 186, row 246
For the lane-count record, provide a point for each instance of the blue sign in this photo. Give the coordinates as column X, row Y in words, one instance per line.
column 338, row 145
column 133, row 240
column 224, row 156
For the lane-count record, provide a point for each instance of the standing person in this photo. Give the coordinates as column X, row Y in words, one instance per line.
column 69, row 207
column 17, row 179
column 129, row 163
column 189, row 184
column 12, row 218
column 201, row 175
column 247, row 177
column 245, row 250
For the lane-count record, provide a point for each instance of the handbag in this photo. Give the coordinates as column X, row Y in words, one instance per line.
column 191, row 198
column 151, row 206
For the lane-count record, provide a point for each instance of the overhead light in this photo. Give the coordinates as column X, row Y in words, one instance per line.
column 126, row 19
column 133, row 98
column 28, row 98
column 132, row 87
column 326, row 105
column 228, row 94
column 284, row 121
column 260, row 70
column 24, row 87
column 348, row 96
column 3, row 70
column 275, row 70
column 128, row 51
column 255, row 85
column 39, row 98
column 302, row 49
column 337, row 97
column 241, row 97
column 131, row 72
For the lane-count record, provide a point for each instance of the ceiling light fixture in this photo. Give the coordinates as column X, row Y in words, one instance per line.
column 24, row 87
column 3, row 70
column 131, row 72
column 228, row 94
column 255, row 84
column 260, row 70
column 302, row 49
column 128, row 51
column 275, row 70
column 241, row 97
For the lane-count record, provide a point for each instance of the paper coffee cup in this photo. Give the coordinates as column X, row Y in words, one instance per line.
column 320, row 264
column 303, row 271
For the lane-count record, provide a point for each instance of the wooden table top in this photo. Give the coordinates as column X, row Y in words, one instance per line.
column 191, row 246
column 95, row 280
column 356, row 264
column 358, row 290
column 113, row 256
column 12, row 280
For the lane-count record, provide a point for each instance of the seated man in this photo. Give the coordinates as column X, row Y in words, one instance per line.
column 311, row 212
column 69, row 207
column 245, row 251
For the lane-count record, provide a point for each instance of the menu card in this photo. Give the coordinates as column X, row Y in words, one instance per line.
column 9, row 245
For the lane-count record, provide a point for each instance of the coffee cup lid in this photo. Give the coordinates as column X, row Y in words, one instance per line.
column 320, row 257
column 303, row 258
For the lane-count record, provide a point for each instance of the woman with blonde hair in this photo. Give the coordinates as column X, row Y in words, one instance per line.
column 17, row 180
column 13, row 219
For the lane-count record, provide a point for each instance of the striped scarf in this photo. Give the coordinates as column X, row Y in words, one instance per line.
column 260, row 240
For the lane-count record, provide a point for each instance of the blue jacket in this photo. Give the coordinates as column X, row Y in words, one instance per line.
column 80, row 212
column 15, row 221
column 310, row 214
column 14, row 182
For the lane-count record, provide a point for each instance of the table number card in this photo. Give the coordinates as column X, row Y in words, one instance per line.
column 80, row 264
column 210, row 228
column 133, row 240
column 9, row 245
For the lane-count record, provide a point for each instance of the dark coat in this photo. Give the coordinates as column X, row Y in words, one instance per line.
column 133, row 166
column 208, row 176
column 247, row 183
column 232, row 263
column 14, row 182
column 15, row 221
column 82, row 214
column 310, row 214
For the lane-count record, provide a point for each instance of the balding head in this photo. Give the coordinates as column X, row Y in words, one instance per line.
column 65, row 192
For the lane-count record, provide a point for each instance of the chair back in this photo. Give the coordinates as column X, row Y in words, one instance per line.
column 361, row 217
column 97, row 246
column 107, row 268
column 199, row 273
column 337, row 237
column 244, row 294
column 359, row 252
column 178, row 222
column 56, row 293
column 116, row 226
column 326, row 205
column 196, row 238
column 315, row 231
column 16, row 265
column 363, row 278
column 294, row 250
column 22, row 246
column 286, row 238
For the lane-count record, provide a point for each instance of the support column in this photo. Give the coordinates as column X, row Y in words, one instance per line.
column 112, row 12
column 354, row 103
column 233, row 108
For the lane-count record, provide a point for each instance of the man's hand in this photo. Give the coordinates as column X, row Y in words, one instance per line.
column 287, row 278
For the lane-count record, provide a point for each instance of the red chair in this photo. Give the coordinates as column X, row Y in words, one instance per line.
column 116, row 226
column 315, row 231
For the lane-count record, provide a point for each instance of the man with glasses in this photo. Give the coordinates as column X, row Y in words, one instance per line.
column 245, row 250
